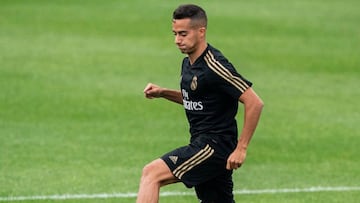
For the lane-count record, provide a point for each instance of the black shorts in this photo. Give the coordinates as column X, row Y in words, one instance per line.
column 202, row 164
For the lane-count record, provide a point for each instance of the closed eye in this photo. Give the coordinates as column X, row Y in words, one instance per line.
column 181, row 33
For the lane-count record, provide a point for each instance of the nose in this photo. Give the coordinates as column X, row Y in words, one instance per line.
column 177, row 39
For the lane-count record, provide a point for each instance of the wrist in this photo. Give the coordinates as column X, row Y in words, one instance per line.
column 241, row 146
column 161, row 92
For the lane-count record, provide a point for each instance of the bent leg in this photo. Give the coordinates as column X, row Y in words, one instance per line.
column 154, row 175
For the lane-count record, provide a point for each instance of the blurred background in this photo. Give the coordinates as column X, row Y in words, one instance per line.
column 73, row 118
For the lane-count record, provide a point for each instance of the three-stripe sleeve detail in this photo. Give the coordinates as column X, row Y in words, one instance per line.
column 223, row 72
column 195, row 160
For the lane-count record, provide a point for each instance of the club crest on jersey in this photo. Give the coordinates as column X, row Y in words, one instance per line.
column 193, row 84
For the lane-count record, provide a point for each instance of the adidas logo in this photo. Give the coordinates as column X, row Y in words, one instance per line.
column 173, row 159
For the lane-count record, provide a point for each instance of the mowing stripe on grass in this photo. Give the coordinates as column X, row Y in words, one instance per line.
column 132, row 195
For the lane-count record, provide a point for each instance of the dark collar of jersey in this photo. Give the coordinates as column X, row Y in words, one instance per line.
column 199, row 59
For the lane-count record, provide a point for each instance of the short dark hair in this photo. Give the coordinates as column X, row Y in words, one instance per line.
column 194, row 12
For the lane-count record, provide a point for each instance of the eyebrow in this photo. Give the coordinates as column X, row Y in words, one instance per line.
column 180, row 32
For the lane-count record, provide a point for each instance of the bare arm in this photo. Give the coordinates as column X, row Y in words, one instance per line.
column 253, row 107
column 154, row 91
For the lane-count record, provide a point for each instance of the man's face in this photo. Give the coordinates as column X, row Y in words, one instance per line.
column 187, row 37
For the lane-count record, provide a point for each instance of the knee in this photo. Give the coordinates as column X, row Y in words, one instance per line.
column 149, row 172
column 148, row 169
column 157, row 172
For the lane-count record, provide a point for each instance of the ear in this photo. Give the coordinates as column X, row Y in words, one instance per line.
column 202, row 31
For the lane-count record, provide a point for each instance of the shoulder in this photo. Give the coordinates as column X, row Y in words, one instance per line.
column 214, row 50
column 185, row 61
column 215, row 56
column 217, row 62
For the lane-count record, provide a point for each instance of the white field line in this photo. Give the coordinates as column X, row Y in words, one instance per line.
column 133, row 195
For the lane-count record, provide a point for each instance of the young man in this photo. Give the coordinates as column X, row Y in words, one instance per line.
column 211, row 89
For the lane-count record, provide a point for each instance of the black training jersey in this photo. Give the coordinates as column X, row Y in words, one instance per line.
column 211, row 88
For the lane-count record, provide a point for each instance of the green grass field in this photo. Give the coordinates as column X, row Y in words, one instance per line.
column 73, row 118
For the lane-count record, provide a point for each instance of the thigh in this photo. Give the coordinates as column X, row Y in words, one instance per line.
column 159, row 171
column 219, row 189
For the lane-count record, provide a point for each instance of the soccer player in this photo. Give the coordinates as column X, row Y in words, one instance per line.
column 210, row 91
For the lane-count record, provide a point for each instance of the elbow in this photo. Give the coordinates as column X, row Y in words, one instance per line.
column 255, row 105
column 251, row 100
column 259, row 104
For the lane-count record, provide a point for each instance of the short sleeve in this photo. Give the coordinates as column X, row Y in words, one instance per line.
column 226, row 77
